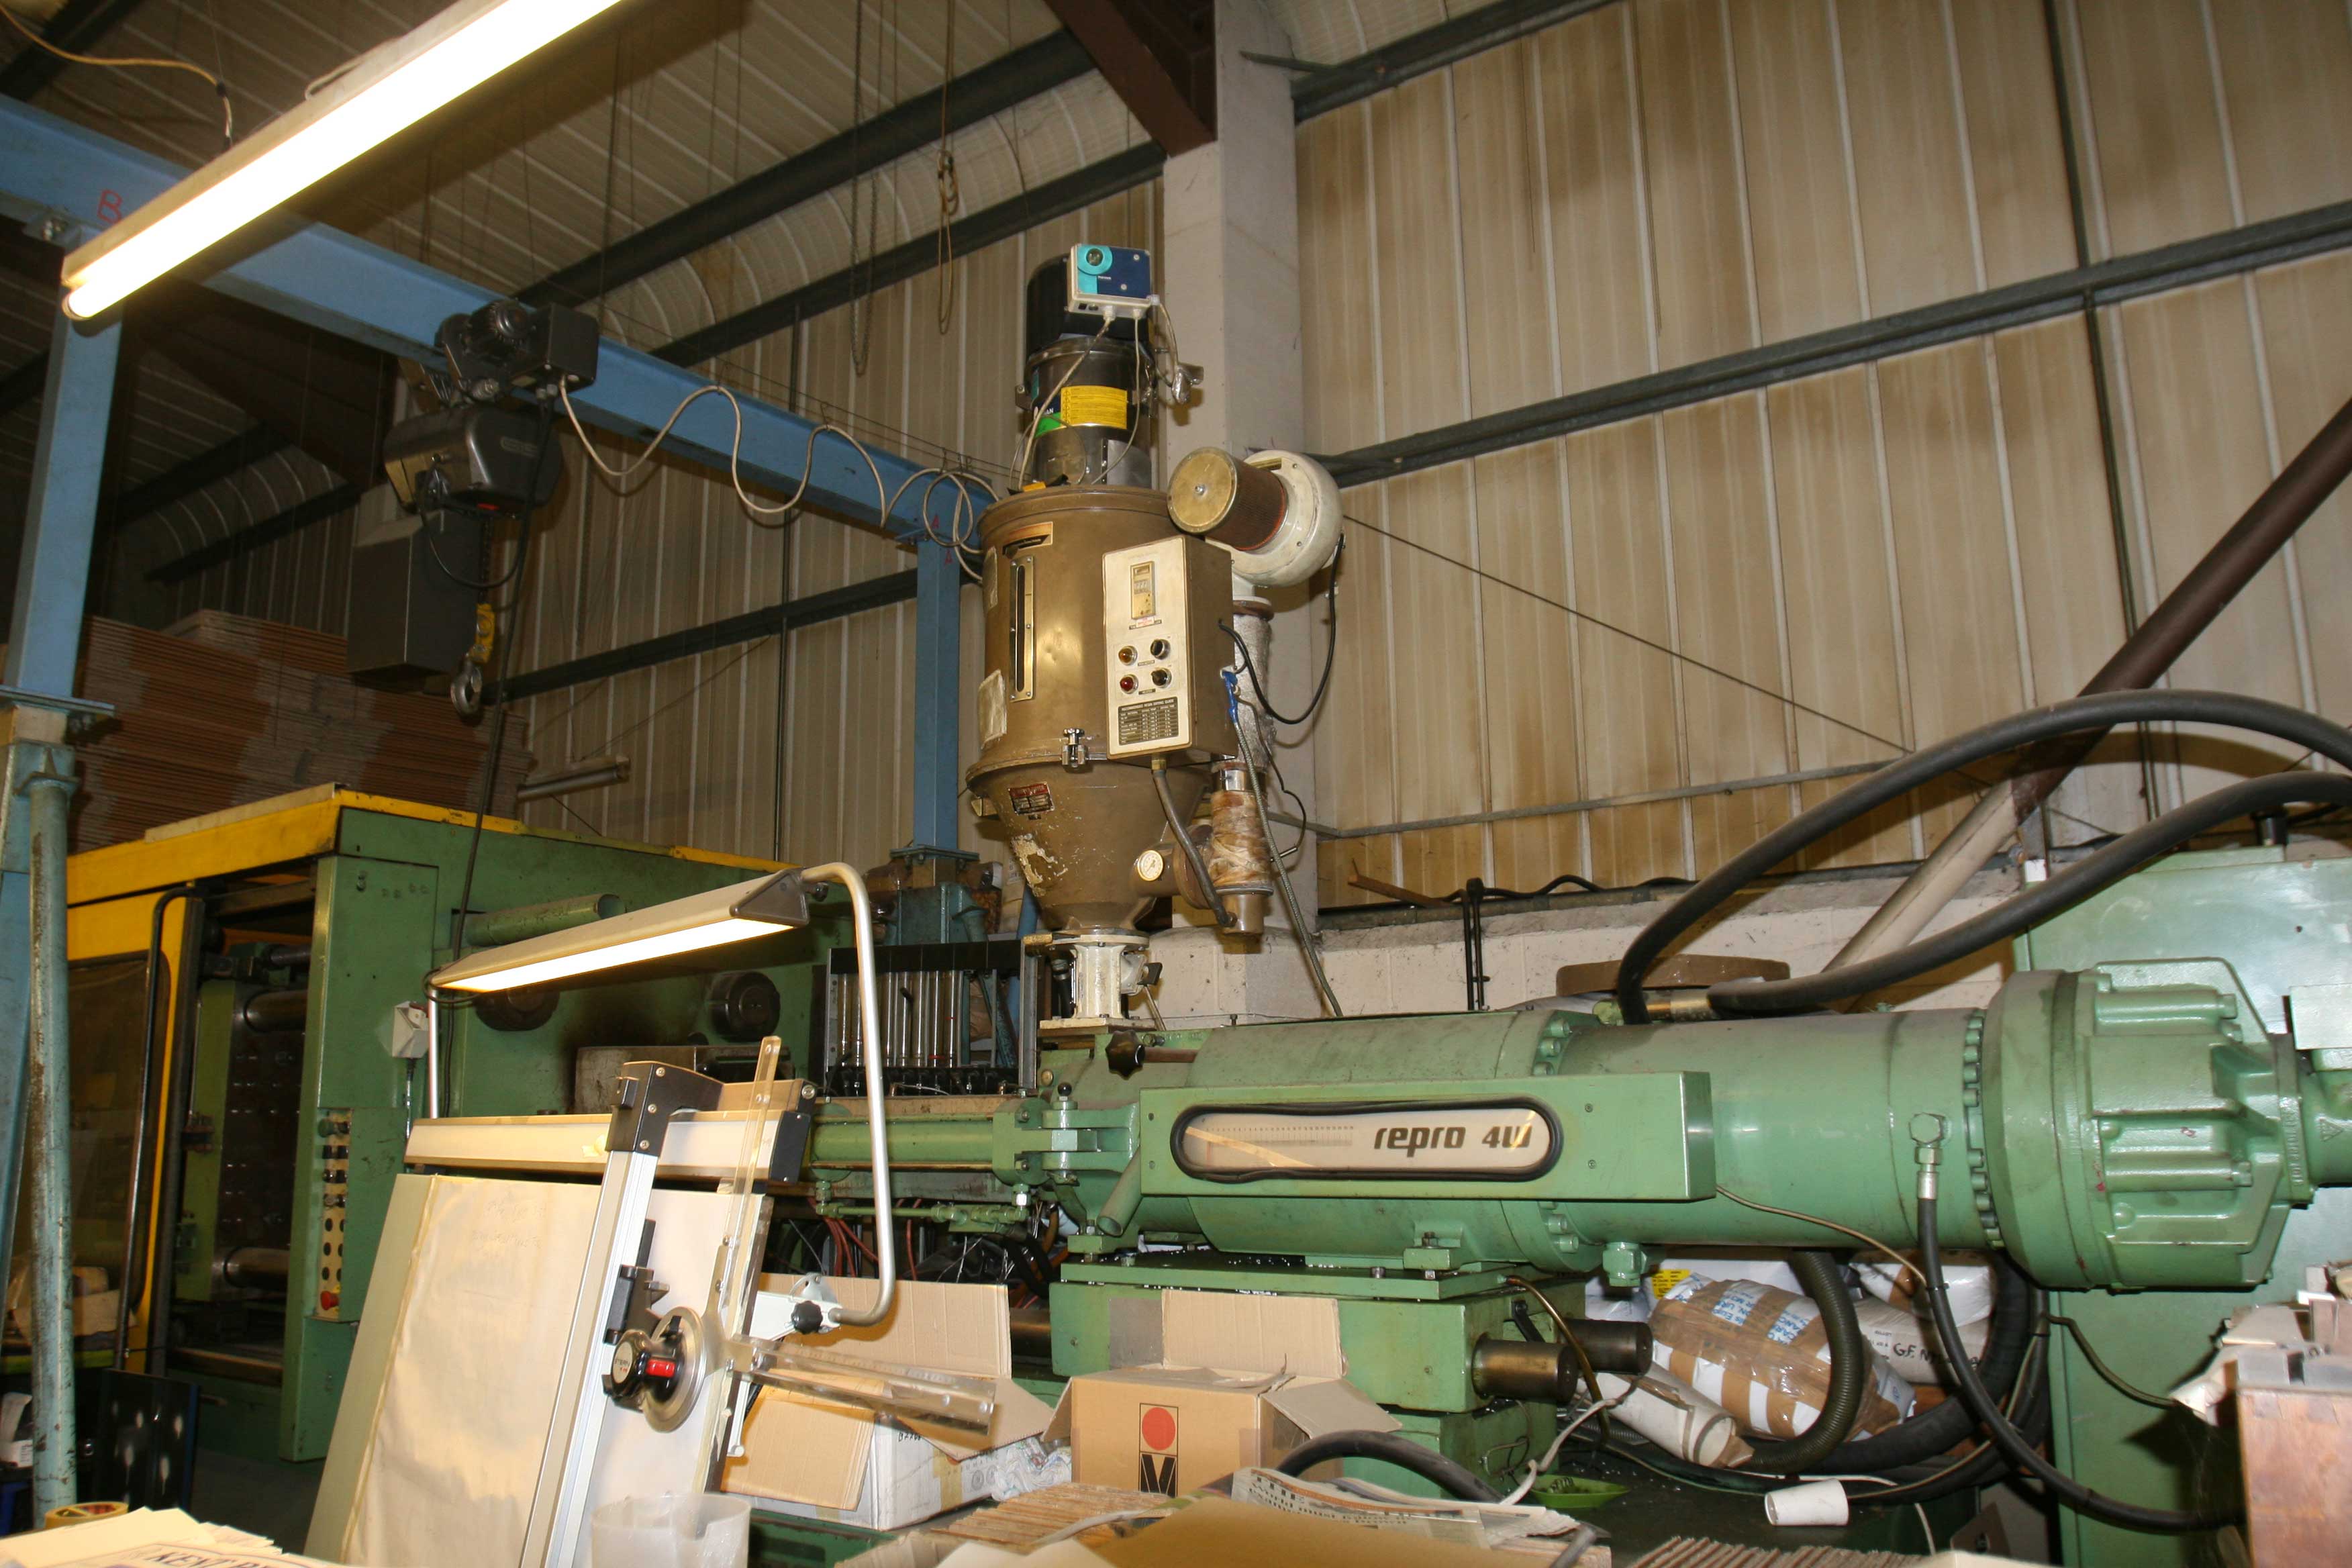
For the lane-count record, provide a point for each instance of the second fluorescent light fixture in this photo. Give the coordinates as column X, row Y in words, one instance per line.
column 762, row 906
column 381, row 94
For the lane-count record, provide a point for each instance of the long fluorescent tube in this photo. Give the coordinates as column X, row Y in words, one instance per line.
column 384, row 91
column 762, row 906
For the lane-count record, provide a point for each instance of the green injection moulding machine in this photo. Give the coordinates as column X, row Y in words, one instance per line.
column 269, row 1088
column 2142, row 1136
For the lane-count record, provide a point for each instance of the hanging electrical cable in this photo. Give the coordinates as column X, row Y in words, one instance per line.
column 134, row 62
column 1331, row 651
column 943, row 173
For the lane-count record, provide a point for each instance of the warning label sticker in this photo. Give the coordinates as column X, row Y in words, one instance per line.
column 1095, row 406
column 1031, row 799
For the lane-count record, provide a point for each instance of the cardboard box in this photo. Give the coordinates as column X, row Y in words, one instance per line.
column 825, row 1460
column 1235, row 1380
column 868, row 1472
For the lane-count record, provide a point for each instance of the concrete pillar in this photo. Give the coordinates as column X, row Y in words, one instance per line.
column 1230, row 269
column 1229, row 273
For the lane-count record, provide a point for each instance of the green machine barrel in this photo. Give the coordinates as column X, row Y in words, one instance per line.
column 2125, row 1126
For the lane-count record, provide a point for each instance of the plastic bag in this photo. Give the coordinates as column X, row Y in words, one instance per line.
column 1907, row 1340
column 1764, row 1356
column 1970, row 1284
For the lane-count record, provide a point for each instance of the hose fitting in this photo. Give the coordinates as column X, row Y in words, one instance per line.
column 1927, row 1133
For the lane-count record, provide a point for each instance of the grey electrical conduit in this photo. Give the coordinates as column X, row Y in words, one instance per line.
column 2076, row 714
column 1191, row 851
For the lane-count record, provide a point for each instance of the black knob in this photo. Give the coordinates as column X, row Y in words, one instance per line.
column 807, row 1318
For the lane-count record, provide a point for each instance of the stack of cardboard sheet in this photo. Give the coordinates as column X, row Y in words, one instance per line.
column 230, row 710
column 269, row 641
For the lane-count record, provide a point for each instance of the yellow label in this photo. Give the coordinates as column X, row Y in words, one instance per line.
column 1662, row 1282
column 1095, row 406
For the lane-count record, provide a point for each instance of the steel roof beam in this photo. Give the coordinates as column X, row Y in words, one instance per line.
column 362, row 292
column 975, row 96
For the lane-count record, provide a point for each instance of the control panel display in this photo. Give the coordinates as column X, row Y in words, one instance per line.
column 1145, row 643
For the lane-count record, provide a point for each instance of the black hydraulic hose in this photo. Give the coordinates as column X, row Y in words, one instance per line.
column 1938, row 1431
column 1451, row 1478
column 1817, row 1273
column 2110, row 865
column 1920, row 1482
column 2011, row 1442
column 2103, row 712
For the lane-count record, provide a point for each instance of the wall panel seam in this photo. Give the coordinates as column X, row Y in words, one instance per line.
column 2289, row 560
column 1900, row 651
column 2167, row 773
column 1845, row 146
column 1486, row 739
column 2221, row 113
column 2009, row 525
column 1968, row 154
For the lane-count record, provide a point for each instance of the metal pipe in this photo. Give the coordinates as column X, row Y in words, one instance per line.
column 1032, row 1333
column 878, row 1125
column 1545, row 1371
column 276, row 1012
column 432, row 1055
column 596, row 774
column 132, row 1263
column 499, row 927
column 48, row 1103
column 2285, row 504
column 1126, row 1197
column 254, row 1266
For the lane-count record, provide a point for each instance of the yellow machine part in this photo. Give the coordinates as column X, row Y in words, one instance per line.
column 111, row 892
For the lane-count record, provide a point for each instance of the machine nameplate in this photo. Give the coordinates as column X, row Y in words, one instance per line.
column 1495, row 1141
column 1142, row 721
column 1602, row 1135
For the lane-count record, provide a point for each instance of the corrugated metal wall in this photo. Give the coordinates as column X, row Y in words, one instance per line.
column 1786, row 582
column 1818, row 574
column 706, row 733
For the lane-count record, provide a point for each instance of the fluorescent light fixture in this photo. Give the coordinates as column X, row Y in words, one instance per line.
column 382, row 93
column 762, row 906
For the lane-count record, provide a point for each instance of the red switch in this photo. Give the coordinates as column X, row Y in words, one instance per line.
column 327, row 1301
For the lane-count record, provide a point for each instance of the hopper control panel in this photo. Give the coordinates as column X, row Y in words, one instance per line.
column 1147, row 647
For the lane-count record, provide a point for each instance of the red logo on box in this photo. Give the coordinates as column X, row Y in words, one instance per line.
column 1156, row 1463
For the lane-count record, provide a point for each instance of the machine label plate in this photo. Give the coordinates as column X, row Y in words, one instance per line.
column 1031, row 799
column 1614, row 1135
column 1492, row 1141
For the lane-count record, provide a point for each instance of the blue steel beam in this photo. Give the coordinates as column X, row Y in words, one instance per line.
column 54, row 171
column 67, row 463
column 939, row 692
